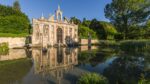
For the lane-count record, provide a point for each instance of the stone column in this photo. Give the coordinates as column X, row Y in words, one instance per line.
column 73, row 33
column 55, row 33
column 49, row 36
column 64, row 35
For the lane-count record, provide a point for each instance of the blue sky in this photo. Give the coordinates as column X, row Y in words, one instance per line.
column 79, row 8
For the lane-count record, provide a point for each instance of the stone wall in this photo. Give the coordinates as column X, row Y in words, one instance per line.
column 85, row 48
column 18, row 42
column 85, row 41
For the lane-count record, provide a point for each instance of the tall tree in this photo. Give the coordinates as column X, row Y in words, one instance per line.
column 125, row 14
column 86, row 22
column 147, row 29
column 16, row 5
column 12, row 21
column 75, row 20
column 104, row 30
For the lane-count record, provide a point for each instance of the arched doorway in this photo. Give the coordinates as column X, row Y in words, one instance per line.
column 59, row 35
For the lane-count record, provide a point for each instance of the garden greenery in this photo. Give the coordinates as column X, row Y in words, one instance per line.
column 84, row 32
column 92, row 78
column 13, row 21
column 4, row 48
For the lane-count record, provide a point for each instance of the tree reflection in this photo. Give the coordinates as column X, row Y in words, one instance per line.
column 126, row 70
column 95, row 57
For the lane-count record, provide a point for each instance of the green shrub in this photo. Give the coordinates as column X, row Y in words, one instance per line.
column 4, row 48
column 85, row 31
column 143, row 80
column 92, row 78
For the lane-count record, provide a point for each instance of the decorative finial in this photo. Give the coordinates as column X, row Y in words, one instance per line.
column 42, row 17
column 42, row 14
column 58, row 7
column 50, row 14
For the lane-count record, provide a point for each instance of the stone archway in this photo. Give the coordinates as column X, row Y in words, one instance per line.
column 59, row 35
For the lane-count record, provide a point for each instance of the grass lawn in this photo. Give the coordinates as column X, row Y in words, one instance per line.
column 13, row 35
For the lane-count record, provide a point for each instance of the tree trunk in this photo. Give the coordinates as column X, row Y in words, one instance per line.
column 125, row 26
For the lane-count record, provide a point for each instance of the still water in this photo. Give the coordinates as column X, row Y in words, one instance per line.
column 66, row 65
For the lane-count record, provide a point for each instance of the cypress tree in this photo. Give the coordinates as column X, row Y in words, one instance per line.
column 16, row 5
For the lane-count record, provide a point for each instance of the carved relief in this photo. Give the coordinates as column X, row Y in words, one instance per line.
column 45, row 30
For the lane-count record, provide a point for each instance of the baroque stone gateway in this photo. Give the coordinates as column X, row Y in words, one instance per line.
column 54, row 30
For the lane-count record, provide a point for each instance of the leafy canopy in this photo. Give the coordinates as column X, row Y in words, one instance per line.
column 103, row 29
column 13, row 21
column 85, row 31
column 125, row 14
column 16, row 5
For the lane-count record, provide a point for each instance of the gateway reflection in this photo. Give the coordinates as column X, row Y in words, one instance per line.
column 55, row 62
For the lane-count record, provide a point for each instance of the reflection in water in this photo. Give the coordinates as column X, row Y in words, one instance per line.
column 128, row 70
column 55, row 62
column 118, row 67
column 13, row 54
column 59, row 55
column 57, row 65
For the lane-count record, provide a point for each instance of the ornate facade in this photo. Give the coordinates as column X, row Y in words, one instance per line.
column 54, row 30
